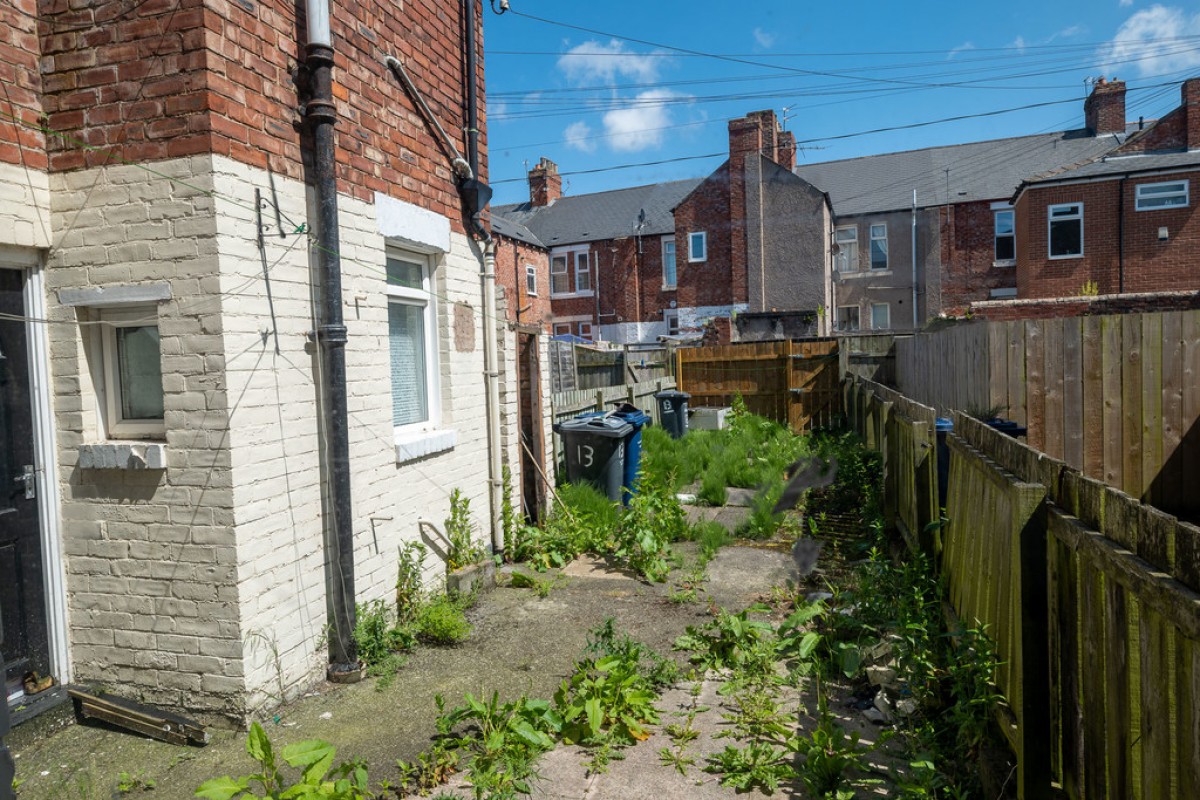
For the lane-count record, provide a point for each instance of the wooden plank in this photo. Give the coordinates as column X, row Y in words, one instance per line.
column 1073, row 419
column 1053, row 391
column 1112, row 368
column 1016, row 372
column 1170, row 485
column 1093, row 399
column 1094, row 674
column 1071, row 665
column 1131, row 407
column 997, row 372
column 1187, row 555
column 1118, row 723
column 1188, row 463
column 1156, row 741
column 1035, row 399
column 1187, row 728
column 1151, row 431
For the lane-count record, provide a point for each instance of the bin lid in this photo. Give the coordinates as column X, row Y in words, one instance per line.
column 944, row 424
column 596, row 425
column 633, row 415
column 672, row 395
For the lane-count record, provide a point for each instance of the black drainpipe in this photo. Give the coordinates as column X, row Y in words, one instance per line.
column 1121, row 236
column 331, row 336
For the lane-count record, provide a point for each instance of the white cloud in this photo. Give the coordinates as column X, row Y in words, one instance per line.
column 1126, row 3
column 594, row 62
column 962, row 48
column 1138, row 44
column 578, row 135
column 638, row 127
column 1019, row 43
column 765, row 40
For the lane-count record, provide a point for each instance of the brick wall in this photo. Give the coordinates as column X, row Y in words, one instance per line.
column 1150, row 264
column 511, row 258
column 20, row 99
column 1132, row 303
column 173, row 79
column 707, row 208
column 968, row 256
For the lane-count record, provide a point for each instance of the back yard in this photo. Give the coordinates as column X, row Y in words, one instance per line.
column 643, row 652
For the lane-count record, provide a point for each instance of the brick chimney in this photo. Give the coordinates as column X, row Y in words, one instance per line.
column 1104, row 110
column 758, row 131
column 1190, row 102
column 545, row 184
column 787, row 150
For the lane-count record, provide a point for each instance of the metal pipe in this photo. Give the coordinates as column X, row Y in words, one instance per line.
column 914, row 259
column 321, row 114
column 461, row 168
column 472, row 92
column 1121, row 235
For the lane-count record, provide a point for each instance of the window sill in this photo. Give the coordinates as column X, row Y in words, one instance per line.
column 1006, row 263
column 1065, row 258
column 123, row 455
column 670, row 288
column 414, row 446
column 870, row 273
column 570, row 295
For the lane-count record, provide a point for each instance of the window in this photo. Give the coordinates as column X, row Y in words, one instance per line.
column 583, row 276
column 412, row 323
column 672, row 319
column 847, row 318
column 881, row 316
column 133, row 389
column 879, row 254
column 585, row 331
column 845, row 241
column 1005, row 237
column 1066, row 230
column 562, row 328
column 560, row 282
column 698, row 246
column 530, row 279
column 1153, row 196
column 668, row 258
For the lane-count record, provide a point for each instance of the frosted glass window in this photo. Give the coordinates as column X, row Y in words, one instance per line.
column 410, row 379
column 139, row 370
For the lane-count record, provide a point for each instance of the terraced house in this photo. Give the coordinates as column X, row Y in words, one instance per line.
column 244, row 352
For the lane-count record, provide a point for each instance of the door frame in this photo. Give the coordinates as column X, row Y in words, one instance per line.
column 30, row 262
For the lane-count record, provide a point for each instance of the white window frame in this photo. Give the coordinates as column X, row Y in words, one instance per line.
column 583, row 269
column 669, row 241
column 702, row 238
column 838, row 321
column 531, row 280
column 887, row 309
column 562, row 329
column 426, row 299
column 671, row 317
column 587, row 331
column 996, row 236
column 1144, row 200
column 556, row 261
column 116, row 427
column 1050, row 220
column 873, row 239
column 842, row 257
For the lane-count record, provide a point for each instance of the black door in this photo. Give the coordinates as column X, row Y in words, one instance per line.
column 22, row 606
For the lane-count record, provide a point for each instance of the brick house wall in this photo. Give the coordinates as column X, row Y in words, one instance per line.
column 1149, row 264
column 863, row 287
column 711, row 282
column 512, row 256
column 969, row 271
column 201, row 586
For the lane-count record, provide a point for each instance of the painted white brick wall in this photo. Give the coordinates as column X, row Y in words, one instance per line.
column 24, row 207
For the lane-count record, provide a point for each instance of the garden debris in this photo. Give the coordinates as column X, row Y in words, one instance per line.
column 152, row 722
column 881, row 676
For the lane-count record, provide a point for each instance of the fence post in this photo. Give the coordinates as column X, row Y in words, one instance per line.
column 1033, row 767
column 7, row 769
column 599, row 399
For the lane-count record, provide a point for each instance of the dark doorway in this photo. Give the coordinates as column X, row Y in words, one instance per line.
column 533, row 459
column 22, row 603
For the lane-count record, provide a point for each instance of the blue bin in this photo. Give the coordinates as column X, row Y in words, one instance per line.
column 944, row 425
column 1007, row 427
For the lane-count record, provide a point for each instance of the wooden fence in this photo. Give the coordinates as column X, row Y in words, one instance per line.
column 576, row 366
column 794, row 382
column 1115, row 397
column 1093, row 599
column 565, row 405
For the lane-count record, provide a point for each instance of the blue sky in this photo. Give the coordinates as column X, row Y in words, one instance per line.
column 593, row 101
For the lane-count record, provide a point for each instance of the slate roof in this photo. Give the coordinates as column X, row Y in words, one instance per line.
column 1121, row 164
column 990, row 170
column 514, row 230
column 601, row 215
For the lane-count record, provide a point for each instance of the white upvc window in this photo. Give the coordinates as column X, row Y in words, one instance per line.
column 132, row 359
column 879, row 247
column 668, row 262
column 583, row 275
column 531, row 280
column 1154, row 196
column 881, row 316
column 697, row 246
column 847, row 318
column 1065, row 223
column 671, row 317
column 1005, row 236
column 586, row 331
column 412, row 342
column 846, row 245
column 560, row 281
column 562, row 328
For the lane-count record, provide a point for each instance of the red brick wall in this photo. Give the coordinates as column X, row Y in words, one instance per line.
column 1003, row 310
column 1150, row 265
column 712, row 282
column 20, row 139
column 523, row 308
column 175, row 78
column 968, row 271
